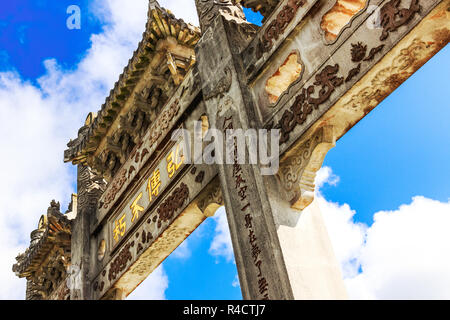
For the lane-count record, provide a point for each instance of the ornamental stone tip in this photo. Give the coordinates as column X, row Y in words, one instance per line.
column 154, row 4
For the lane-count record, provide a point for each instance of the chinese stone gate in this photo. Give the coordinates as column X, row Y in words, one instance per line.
column 313, row 70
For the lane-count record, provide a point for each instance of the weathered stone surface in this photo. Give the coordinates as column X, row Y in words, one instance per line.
column 157, row 68
column 261, row 267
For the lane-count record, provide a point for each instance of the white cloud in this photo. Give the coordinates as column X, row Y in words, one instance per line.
column 221, row 245
column 153, row 287
column 403, row 255
column 37, row 121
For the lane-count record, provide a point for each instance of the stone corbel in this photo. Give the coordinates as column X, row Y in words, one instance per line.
column 299, row 167
column 211, row 200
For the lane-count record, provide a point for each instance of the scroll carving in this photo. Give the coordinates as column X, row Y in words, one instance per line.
column 222, row 87
column 298, row 170
column 403, row 66
column 340, row 16
column 392, row 17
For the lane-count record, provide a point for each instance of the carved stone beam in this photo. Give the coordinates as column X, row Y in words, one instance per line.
column 208, row 10
column 299, row 167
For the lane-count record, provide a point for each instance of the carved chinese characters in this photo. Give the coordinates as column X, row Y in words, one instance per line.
column 241, row 188
column 278, row 26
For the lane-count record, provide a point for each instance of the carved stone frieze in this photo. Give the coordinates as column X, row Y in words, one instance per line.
column 326, row 82
column 390, row 78
column 299, row 168
column 278, row 26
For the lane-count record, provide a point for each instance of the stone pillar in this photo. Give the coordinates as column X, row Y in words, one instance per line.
column 90, row 188
column 281, row 252
column 311, row 264
column 313, row 270
column 262, row 271
column 307, row 250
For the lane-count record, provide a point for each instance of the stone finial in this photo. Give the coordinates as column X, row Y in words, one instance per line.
column 208, row 10
column 299, row 168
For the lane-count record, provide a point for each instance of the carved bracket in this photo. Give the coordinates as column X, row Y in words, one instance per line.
column 208, row 10
column 211, row 200
column 299, row 168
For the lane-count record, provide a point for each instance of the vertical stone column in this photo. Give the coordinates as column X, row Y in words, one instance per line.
column 262, row 271
column 281, row 246
column 90, row 188
column 307, row 250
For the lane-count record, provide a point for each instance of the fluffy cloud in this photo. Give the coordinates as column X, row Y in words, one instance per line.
column 37, row 120
column 153, row 287
column 221, row 245
column 403, row 255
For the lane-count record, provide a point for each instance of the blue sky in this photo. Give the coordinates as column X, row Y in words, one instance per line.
column 398, row 152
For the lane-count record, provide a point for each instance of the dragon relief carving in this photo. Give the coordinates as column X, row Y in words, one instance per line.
column 299, row 168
